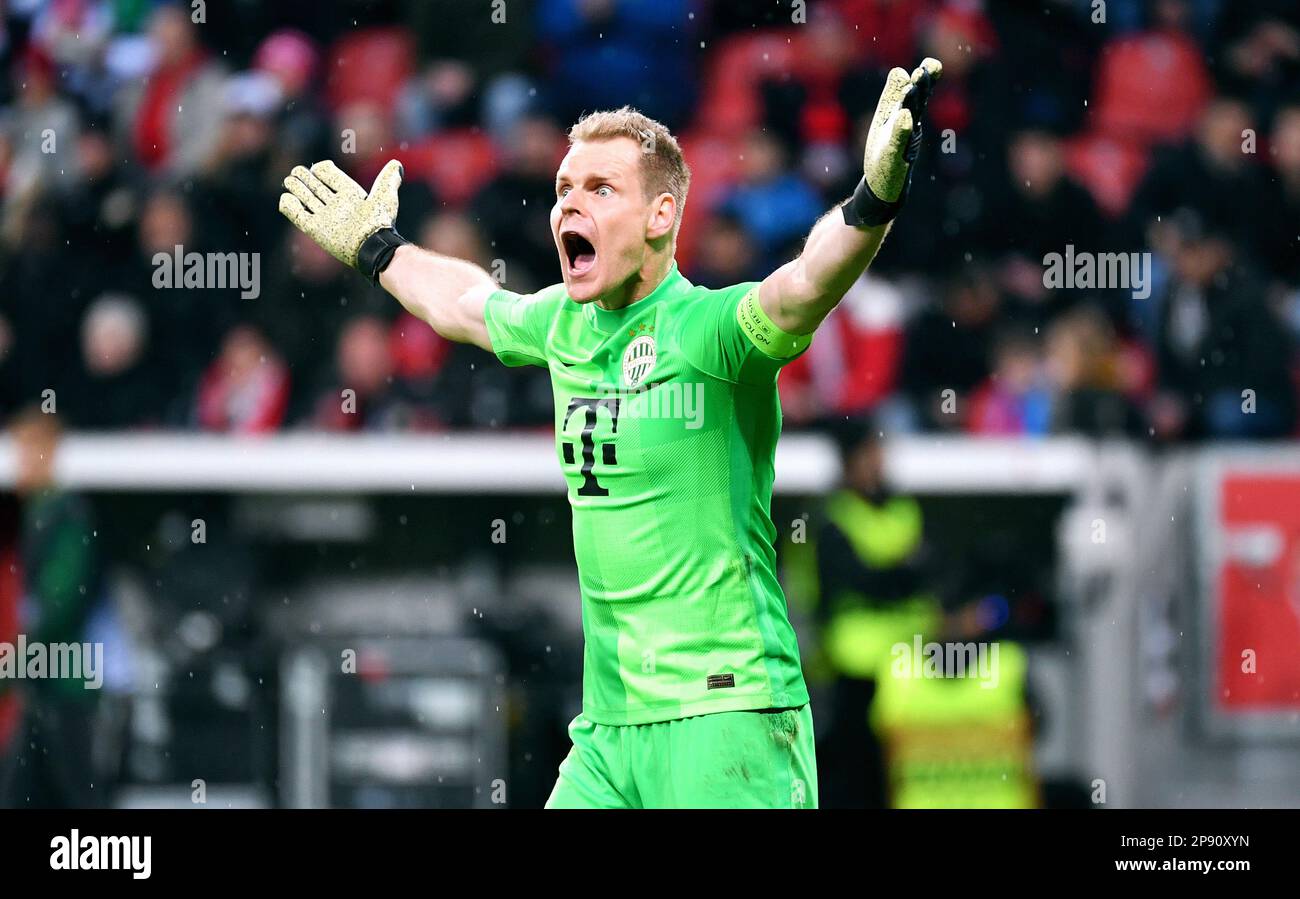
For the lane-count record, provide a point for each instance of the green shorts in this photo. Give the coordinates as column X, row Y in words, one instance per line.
column 758, row 759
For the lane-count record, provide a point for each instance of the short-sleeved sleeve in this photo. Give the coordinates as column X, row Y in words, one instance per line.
column 715, row 340
column 518, row 324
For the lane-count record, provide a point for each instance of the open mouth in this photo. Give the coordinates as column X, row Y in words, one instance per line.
column 579, row 252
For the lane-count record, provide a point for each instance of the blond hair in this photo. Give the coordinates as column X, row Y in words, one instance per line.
column 663, row 168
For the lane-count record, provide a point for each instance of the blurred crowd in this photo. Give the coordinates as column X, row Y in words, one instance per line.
column 1171, row 130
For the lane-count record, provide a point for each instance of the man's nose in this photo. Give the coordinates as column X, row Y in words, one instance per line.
column 569, row 203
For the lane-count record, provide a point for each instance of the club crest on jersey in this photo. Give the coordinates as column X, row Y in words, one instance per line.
column 638, row 360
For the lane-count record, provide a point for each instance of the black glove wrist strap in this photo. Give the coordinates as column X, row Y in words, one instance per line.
column 377, row 251
column 865, row 209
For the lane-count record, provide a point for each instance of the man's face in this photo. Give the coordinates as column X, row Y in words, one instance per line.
column 34, row 448
column 600, row 218
column 864, row 469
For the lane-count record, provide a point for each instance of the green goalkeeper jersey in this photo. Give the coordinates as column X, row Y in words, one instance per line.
column 666, row 422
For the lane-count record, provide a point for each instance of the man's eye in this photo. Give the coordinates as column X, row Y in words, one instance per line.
column 562, row 191
column 604, row 191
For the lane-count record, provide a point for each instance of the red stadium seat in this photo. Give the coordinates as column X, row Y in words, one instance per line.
column 714, row 160
column 418, row 351
column 11, row 591
column 1151, row 88
column 371, row 64
column 1111, row 169
column 457, row 163
column 730, row 102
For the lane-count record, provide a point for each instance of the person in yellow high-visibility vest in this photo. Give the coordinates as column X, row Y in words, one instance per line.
column 865, row 575
column 905, row 735
column 957, row 736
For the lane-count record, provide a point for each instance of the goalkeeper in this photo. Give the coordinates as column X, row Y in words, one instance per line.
column 693, row 695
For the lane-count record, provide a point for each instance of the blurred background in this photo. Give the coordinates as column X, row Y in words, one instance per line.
column 327, row 553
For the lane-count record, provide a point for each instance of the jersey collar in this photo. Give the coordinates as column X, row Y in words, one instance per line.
column 608, row 319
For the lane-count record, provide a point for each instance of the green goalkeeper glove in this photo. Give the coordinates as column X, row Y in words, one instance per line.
column 333, row 210
column 892, row 145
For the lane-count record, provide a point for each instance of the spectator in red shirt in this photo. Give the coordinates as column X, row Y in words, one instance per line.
column 173, row 120
column 246, row 389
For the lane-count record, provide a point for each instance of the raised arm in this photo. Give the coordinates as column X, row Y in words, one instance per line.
column 798, row 295
column 357, row 229
column 446, row 292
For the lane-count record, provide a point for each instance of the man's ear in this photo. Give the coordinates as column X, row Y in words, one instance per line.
column 663, row 212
